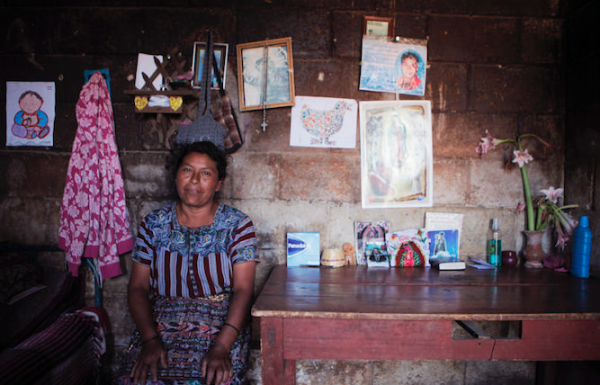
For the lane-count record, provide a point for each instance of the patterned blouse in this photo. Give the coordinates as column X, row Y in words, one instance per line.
column 194, row 262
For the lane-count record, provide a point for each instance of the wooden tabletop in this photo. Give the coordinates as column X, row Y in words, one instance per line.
column 356, row 292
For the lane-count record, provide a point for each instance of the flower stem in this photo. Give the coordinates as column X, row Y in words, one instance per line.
column 528, row 200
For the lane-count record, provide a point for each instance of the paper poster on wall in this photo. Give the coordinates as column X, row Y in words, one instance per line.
column 146, row 65
column 396, row 154
column 30, row 113
column 398, row 67
column 324, row 122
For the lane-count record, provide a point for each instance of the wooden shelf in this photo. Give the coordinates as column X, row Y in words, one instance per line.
column 176, row 96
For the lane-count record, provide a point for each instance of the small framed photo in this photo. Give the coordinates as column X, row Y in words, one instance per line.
column 265, row 74
column 221, row 51
column 378, row 26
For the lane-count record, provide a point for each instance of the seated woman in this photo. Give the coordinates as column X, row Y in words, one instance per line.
column 192, row 282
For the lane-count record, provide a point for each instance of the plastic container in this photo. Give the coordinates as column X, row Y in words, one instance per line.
column 494, row 245
column 582, row 247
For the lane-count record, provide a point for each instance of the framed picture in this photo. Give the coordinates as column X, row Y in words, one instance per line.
column 399, row 67
column 265, row 74
column 378, row 26
column 396, row 154
column 221, row 52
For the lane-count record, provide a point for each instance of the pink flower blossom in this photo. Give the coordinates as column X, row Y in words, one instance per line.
column 522, row 157
column 487, row 143
column 553, row 194
column 521, row 207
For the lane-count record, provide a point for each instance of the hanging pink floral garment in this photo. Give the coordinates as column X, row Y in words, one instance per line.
column 94, row 221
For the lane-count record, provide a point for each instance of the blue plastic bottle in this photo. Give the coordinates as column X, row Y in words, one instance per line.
column 582, row 247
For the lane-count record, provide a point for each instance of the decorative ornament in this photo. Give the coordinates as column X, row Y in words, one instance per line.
column 175, row 102
column 140, row 102
column 349, row 253
column 266, row 81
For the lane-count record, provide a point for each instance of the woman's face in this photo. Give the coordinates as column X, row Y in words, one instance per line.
column 197, row 180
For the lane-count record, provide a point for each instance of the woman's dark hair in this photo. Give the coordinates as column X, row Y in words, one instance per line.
column 207, row 148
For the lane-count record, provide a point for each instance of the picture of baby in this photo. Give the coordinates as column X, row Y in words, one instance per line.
column 31, row 122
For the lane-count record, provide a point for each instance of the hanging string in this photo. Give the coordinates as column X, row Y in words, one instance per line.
column 265, row 82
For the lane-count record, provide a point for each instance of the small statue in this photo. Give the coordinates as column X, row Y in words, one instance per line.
column 349, row 253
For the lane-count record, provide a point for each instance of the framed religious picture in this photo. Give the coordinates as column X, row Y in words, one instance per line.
column 265, row 74
column 396, row 154
column 378, row 26
column 221, row 51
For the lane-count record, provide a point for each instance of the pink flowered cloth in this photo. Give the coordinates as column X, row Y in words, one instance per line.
column 94, row 217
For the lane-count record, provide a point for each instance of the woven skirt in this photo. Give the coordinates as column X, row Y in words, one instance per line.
column 188, row 328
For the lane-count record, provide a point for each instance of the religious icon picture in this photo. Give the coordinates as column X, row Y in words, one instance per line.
column 221, row 52
column 265, row 74
column 396, row 154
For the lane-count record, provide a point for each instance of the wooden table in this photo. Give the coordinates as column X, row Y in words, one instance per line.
column 412, row 314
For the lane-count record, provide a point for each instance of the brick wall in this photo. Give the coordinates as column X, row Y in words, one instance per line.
column 495, row 65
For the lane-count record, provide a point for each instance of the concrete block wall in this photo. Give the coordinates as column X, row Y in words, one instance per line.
column 493, row 65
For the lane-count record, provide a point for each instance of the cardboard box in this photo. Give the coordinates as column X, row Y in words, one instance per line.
column 304, row 249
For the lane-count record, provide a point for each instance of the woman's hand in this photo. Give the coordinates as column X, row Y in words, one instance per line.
column 216, row 365
column 153, row 353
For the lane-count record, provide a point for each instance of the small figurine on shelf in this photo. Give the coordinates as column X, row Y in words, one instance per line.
column 349, row 253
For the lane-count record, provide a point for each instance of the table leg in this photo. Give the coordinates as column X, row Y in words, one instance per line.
column 275, row 369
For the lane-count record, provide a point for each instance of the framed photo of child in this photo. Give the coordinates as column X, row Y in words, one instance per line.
column 394, row 66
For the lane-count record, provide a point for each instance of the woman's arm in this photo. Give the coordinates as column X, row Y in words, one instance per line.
column 153, row 351
column 217, row 362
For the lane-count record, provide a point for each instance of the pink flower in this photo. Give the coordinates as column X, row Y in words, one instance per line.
column 522, row 157
column 487, row 143
column 521, row 207
column 553, row 194
column 561, row 239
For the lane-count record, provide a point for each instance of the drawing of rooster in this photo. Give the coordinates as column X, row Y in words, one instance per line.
column 322, row 124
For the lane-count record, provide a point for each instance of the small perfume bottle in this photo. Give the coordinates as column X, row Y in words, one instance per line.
column 494, row 245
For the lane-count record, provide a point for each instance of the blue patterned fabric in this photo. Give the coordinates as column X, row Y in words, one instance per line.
column 194, row 262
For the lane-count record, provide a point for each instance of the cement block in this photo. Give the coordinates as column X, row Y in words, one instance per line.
column 516, row 89
column 457, row 135
column 333, row 372
column 542, row 40
column 189, row 24
column 449, row 181
column 347, row 34
column 446, row 87
column 145, row 175
column 451, row 39
column 488, row 178
column 418, row 372
column 540, row 8
column 28, row 175
column 434, row 6
column 274, row 138
column 259, row 181
column 475, row 40
column 500, row 372
column 309, row 39
column 328, row 178
column 321, row 78
column 30, row 228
